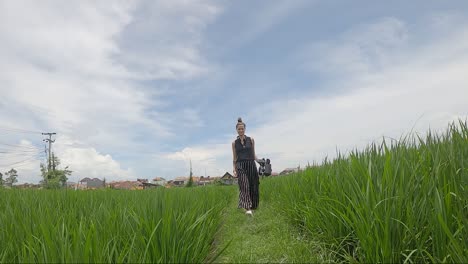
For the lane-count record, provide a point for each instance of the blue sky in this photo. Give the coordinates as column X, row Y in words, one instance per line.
column 137, row 89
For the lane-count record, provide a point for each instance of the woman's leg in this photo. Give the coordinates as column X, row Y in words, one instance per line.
column 244, row 187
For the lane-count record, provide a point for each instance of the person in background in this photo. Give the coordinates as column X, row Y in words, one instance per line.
column 245, row 169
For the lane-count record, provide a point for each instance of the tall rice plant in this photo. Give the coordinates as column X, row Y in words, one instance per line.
column 47, row 226
column 399, row 201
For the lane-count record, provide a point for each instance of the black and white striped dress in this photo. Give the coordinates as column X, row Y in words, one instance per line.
column 247, row 174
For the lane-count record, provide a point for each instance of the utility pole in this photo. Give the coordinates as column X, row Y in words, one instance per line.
column 49, row 165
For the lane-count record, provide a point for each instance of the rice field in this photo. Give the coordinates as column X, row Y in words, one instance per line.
column 402, row 201
column 47, row 226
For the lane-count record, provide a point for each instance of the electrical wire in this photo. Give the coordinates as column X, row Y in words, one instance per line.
column 17, row 152
column 19, row 130
column 17, row 146
column 29, row 159
column 22, row 165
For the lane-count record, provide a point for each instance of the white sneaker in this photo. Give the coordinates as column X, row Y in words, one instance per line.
column 249, row 212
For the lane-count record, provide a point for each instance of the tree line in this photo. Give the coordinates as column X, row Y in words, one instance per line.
column 52, row 177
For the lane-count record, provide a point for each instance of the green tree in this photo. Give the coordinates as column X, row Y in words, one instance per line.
column 1, row 179
column 54, row 178
column 190, row 181
column 11, row 177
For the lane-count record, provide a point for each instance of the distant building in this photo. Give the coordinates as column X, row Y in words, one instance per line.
column 149, row 185
column 289, row 170
column 146, row 184
column 228, row 179
column 127, row 185
column 180, row 181
column 159, row 181
column 169, row 184
column 71, row 185
column 27, row 186
column 195, row 179
column 94, row 183
column 206, row 180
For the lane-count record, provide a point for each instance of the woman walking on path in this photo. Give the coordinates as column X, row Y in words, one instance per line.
column 243, row 151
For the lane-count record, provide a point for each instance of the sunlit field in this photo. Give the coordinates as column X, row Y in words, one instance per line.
column 394, row 202
column 404, row 201
column 174, row 225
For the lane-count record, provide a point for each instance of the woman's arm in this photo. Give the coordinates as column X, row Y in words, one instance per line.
column 253, row 148
column 234, row 158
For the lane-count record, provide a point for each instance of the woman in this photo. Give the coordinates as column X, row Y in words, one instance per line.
column 243, row 151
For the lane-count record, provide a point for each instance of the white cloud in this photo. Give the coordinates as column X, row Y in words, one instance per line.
column 60, row 57
column 415, row 87
column 362, row 49
column 203, row 159
column 261, row 19
column 74, row 37
column 84, row 69
column 355, row 119
column 169, row 35
column 77, row 69
column 424, row 86
column 88, row 162
column 83, row 160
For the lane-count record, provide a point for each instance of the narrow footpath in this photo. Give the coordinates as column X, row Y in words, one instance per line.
column 264, row 238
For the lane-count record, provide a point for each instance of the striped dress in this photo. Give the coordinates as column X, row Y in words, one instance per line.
column 247, row 174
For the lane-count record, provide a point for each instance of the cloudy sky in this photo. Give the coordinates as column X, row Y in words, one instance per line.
column 137, row 88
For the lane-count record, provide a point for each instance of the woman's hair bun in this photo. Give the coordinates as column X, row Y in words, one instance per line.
column 239, row 120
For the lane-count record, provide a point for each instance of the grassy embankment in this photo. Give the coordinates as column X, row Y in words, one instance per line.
column 394, row 202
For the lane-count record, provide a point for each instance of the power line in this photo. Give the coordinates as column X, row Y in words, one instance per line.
column 7, row 156
column 22, row 165
column 17, row 151
column 30, row 154
column 17, row 146
column 18, row 130
column 13, row 133
column 29, row 159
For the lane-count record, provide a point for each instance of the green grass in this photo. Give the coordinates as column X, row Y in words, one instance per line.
column 264, row 238
column 46, row 226
column 401, row 202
